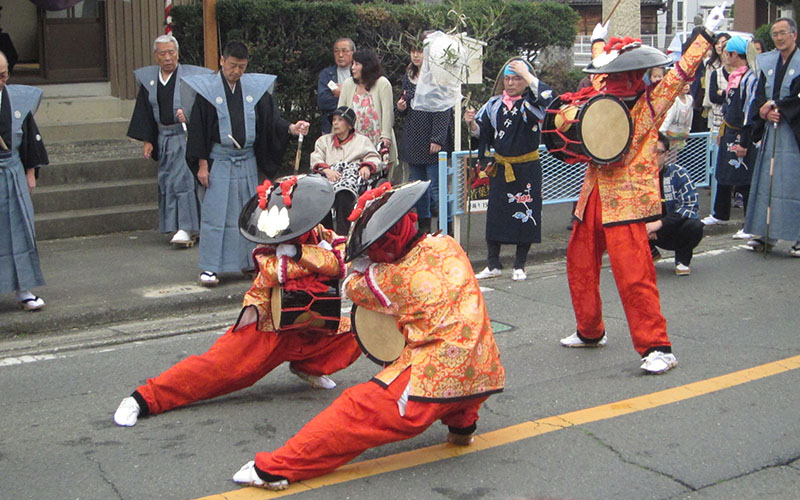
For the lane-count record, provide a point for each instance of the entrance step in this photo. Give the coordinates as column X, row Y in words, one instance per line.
column 110, row 129
column 95, row 187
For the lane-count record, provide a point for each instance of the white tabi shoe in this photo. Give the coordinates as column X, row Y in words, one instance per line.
column 207, row 278
column 127, row 413
column 181, row 237
column 29, row 301
column 248, row 475
column 575, row 341
column 315, row 381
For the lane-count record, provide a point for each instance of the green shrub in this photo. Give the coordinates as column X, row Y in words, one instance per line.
column 293, row 39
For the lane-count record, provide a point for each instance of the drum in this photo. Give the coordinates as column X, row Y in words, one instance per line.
column 597, row 130
column 299, row 311
column 377, row 334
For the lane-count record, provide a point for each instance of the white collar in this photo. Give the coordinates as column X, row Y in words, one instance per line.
column 163, row 80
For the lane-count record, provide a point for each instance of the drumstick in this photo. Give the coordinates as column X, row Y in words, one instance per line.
column 299, row 149
column 612, row 12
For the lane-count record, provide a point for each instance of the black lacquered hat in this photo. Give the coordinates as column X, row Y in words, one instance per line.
column 287, row 209
column 630, row 57
column 380, row 214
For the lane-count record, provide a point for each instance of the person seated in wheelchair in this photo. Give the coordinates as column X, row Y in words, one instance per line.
column 349, row 161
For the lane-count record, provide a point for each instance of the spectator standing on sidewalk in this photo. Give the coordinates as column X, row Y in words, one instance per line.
column 329, row 83
column 159, row 121
column 778, row 108
column 21, row 154
column 235, row 129
column 425, row 134
column 509, row 122
column 679, row 228
column 737, row 154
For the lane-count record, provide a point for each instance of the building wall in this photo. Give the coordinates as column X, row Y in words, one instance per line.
column 20, row 22
column 131, row 27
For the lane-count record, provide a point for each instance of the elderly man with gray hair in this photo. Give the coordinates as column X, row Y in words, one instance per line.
column 160, row 123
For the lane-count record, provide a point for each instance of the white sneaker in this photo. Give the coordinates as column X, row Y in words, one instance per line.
column 741, row 235
column 127, row 413
column 518, row 275
column 248, row 475
column 315, row 381
column 181, row 237
column 575, row 341
column 711, row 220
column 207, row 278
column 658, row 362
column 795, row 250
column 488, row 273
column 682, row 270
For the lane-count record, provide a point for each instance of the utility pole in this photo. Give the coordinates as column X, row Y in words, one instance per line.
column 210, row 36
column 627, row 19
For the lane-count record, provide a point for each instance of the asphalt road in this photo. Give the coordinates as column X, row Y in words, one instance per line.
column 736, row 311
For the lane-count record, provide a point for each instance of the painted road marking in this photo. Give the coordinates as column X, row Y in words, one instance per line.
column 518, row 432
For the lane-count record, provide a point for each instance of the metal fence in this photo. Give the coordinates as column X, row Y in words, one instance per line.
column 561, row 182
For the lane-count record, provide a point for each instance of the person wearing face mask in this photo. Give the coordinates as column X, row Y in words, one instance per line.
column 510, row 122
column 617, row 199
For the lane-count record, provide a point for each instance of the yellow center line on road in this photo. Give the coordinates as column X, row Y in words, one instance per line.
column 518, row 432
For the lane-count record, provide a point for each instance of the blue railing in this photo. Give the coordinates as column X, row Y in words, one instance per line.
column 561, row 182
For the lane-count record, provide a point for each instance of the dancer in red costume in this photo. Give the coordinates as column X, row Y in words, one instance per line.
column 295, row 253
column 448, row 368
column 617, row 199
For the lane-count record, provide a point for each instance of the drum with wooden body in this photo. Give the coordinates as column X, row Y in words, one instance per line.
column 597, row 130
column 307, row 312
column 377, row 334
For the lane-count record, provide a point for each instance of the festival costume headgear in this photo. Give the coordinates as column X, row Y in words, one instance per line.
column 379, row 211
column 626, row 54
column 347, row 115
column 286, row 210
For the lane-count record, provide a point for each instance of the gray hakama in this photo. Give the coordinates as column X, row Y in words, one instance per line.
column 233, row 176
column 785, row 199
column 19, row 258
column 177, row 199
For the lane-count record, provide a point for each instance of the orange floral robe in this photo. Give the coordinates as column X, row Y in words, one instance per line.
column 273, row 270
column 434, row 296
column 629, row 188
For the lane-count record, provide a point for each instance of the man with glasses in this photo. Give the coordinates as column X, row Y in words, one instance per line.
column 509, row 122
column 329, row 84
column 679, row 228
column 775, row 188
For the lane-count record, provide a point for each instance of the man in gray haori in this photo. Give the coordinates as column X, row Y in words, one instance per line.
column 21, row 154
column 159, row 121
column 235, row 129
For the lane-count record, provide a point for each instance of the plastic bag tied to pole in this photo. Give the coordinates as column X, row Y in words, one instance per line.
column 443, row 71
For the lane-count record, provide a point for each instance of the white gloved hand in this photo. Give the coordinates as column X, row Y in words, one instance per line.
column 285, row 249
column 324, row 244
column 600, row 32
column 716, row 17
column 360, row 265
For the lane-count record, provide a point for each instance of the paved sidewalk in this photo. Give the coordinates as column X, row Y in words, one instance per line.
column 124, row 277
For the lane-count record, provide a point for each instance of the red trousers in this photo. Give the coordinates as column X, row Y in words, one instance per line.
column 363, row 417
column 632, row 265
column 240, row 358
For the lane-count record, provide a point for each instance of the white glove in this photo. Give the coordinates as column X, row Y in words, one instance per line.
column 285, row 249
column 600, row 32
column 360, row 265
column 325, row 245
column 716, row 17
